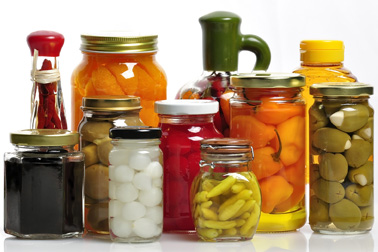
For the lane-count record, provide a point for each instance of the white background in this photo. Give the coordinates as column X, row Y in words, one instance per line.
column 281, row 23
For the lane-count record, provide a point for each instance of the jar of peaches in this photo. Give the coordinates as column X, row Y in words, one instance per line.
column 119, row 64
column 268, row 109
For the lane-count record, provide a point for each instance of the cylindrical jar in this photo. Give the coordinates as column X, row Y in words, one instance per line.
column 268, row 110
column 341, row 158
column 100, row 114
column 225, row 194
column 184, row 123
column 119, row 64
column 43, row 187
column 135, row 185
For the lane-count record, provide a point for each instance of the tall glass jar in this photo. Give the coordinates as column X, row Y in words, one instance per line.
column 119, row 64
column 268, row 110
column 135, row 184
column 341, row 160
column 225, row 194
column 184, row 124
column 100, row 114
column 43, row 186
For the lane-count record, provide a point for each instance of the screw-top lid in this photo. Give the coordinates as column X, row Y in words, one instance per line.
column 44, row 137
column 341, row 89
column 268, row 80
column 48, row 43
column 225, row 145
column 111, row 103
column 135, row 132
column 319, row 51
column 118, row 42
column 186, row 107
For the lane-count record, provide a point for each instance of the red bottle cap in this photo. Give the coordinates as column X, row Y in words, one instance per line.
column 48, row 43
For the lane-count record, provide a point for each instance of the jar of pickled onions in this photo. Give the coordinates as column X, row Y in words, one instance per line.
column 268, row 110
column 119, row 64
column 184, row 123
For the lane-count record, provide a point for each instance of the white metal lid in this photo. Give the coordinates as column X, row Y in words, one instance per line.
column 186, row 107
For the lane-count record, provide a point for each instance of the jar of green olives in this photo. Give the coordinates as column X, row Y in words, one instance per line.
column 341, row 158
column 225, row 195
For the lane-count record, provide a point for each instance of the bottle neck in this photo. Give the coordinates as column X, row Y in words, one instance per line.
column 273, row 94
column 322, row 64
column 186, row 119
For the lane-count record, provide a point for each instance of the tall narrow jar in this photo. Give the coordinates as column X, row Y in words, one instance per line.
column 341, row 160
column 268, row 110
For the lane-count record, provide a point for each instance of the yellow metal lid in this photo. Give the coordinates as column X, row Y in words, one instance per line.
column 118, row 42
column 341, row 89
column 111, row 103
column 318, row 51
column 268, row 80
column 44, row 137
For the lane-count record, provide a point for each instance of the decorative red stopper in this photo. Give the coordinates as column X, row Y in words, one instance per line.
column 48, row 43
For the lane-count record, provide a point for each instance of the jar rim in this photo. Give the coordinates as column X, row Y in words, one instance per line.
column 268, row 80
column 44, row 137
column 111, row 103
column 341, row 89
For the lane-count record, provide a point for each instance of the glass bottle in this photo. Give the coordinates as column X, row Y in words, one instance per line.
column 184, row 124
column 268, row 110
column 341, row 159
column 43, row 186
column 119, row 64
column 222, row 42
column 101, row 113
column 47, row 106
column 135, row 184
column 225, row 194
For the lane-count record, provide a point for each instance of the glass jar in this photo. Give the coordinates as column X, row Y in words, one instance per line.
column 100, row 114
column 184, row 124
column 43, row 187
column 119, row 64
column 341, row 160
column 268, row 110
column 225, row 194
column 135, row 185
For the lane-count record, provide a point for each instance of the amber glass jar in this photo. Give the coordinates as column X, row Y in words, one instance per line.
column 119, row 64
column 341, row 158
column 268, row 110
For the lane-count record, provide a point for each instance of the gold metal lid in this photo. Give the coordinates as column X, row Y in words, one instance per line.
column 116, row 42
column 44, row 137
column 341, row 89
column 111, row 103
column 268, row 80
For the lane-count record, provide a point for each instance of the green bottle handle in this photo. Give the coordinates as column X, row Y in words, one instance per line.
column 259, row 47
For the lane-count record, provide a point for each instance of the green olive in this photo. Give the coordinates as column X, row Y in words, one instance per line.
column 97, row 181
column 371, row 110
column 367, row 131
column 318, row 211
column 317, row 117
column 104, row 146
column 90, row 152
column 92, row 130
column 333, row 167
column 314, row 173
column 345, row 214
column 367, row 217
column 362, row 175
column 361, row 195
column 331, row 140
column 350, row 118
column 328, row 191
column 358, row 153
column 331, row 106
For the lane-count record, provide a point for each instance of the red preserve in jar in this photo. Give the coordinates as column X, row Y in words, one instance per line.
column 184, row 123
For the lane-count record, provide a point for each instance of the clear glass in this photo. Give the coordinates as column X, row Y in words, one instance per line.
column 43, row 196
column 135, row 190
column 96, row 145
column 341, row 165
column 180, row 143
column 119, row 74
column 273, row 119
column 226, row 199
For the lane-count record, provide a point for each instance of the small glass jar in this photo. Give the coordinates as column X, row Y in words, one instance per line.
column 100, row 114
column 119, row 63
column 135, row 185
column 184, row 124
column 43, row 187
column 341, row 160
column 225, row 194
column 268, row 110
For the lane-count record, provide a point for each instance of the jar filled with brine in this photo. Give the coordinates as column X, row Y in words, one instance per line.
column 268, row 110
column 341, row 158
column 101, row 113
column 225, row 194
column 117, row 63
column 43, row 186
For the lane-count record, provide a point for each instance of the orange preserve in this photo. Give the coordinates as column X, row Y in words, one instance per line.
column 268, row 110
column 119, row 65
